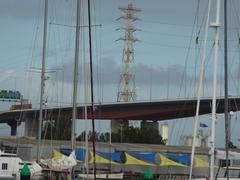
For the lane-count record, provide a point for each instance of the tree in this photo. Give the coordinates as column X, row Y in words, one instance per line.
column 137, row 135
column 57, row 129
column 61, row 130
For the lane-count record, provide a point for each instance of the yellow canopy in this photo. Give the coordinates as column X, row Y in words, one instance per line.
column 57, row 155
column 200, row 163
column 168, row 162
column 101, row 160
column 130, row 160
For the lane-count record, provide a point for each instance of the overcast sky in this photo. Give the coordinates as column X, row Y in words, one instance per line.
column 167, row 57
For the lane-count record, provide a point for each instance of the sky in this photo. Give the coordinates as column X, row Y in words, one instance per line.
column 167, row 58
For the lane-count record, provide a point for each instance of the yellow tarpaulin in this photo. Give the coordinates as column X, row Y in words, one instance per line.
column 101, row 160
column 57, row 154
column 200, row 163
column 130, row 160
column 168, row 162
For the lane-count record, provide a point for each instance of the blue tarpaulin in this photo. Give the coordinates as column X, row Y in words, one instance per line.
column 65, row 151
column 114, row 156
column 148, row 157
column 79, row 153
column 181, row 158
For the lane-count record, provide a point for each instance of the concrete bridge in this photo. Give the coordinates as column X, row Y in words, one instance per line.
column 154, row 110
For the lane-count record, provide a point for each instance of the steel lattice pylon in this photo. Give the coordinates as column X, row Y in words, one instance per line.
column 127, row 88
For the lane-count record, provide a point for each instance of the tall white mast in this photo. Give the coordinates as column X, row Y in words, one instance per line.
column 216, row 26
column 75, row 78
column 200, row 90
column 44, row 52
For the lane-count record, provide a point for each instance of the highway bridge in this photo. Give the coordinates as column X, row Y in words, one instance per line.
column 153, row 110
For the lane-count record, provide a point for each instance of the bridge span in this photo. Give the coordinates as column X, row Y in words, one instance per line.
column 153, row 110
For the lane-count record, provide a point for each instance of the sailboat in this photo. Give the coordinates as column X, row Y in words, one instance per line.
column 59, row 162
column 224, row 156
column 11, row 164
column 94, row 175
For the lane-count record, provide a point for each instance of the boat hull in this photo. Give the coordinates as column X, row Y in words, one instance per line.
column 102, row 176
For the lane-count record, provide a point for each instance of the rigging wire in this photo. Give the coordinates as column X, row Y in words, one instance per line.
column 97, row 76
column 237, row 24
column 60, row 37
column 197, row 47
column 179, row 25
column 92, row 92
column 32, row 42
column 186, row 59
column 188, row 51
column 164, row 23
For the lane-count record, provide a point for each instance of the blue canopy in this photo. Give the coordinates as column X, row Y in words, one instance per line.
column 79, row 153
column 65, row 151
column 148, row 157
column 114, row 156
column 181, row 158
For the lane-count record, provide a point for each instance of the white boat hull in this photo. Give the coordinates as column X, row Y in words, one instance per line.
column 102, row 176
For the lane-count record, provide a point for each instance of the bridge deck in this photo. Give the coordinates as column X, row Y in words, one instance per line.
column 157, row 110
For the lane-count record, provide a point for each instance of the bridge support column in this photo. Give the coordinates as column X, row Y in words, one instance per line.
column 31, row 128
column 13, row 126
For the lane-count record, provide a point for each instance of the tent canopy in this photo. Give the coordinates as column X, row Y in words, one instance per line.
column 164, row 161
column 180, row 158
column 79, row 153
column 131, row 160
column 114, row 156
column 148, row 157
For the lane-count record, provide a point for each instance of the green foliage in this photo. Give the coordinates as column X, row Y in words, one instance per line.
column 57, row 130
column 61, row 130
column 137, row 135
column 129, row 135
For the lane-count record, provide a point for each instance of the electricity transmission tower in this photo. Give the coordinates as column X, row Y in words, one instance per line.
column 127, row 89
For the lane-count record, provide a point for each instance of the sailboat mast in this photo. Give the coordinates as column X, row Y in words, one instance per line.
column 75, row 78
column 85, row 106
column 44, row 52
column 91, row 79
column 227, row 128
column 216, row 26
column 200, row 89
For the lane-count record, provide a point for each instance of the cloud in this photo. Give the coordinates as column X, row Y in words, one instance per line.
column 171, row 75
column 7, row 74
column 30, row 9
column 18, row 9
column 171, row 11
column 108, row 9
column 109, row 73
